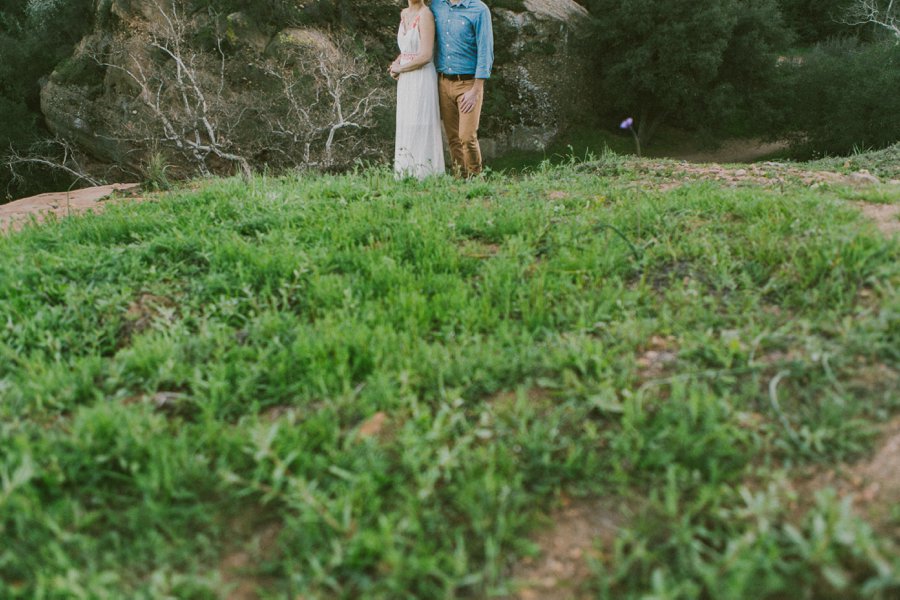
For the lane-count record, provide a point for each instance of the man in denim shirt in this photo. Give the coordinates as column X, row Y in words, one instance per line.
column 464, row 55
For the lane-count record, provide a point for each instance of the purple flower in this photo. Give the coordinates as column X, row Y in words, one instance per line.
column 627, row 123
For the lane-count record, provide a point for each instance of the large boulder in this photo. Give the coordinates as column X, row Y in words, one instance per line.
column 540, row 80
column 537, row 86
column 292, row 42
column 242, row 31
column 133, row 11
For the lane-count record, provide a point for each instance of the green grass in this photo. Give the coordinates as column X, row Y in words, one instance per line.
column 176, row 377
column 581, row 143
column 588, row 141
column 883, row 163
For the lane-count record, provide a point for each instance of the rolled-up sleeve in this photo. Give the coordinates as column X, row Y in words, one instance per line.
column 484, row 36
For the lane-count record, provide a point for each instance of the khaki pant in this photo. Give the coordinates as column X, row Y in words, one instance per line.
column 461, row 128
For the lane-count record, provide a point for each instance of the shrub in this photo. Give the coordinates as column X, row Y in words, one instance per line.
column 155, row 168
column 81, row 70
column 685, row 63
column 815, row 21
column 34, row 36
column 843, row 95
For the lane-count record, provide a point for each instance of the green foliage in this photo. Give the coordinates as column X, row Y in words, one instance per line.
column 746, row 89
column 701, row 540
column 882, row 163
column 177, row 376
column 816, row 20
column 155, row 172
column 80, row 70
column 19, row 122
column 844, row 95
column 697, row 65
column 35, row 35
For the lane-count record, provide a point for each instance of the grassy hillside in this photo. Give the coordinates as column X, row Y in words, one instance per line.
column 351, row 387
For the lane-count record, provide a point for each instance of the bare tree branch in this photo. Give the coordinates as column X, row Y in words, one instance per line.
column 341, row 98
column 56, row 154
column 309, row 103
column 880, row 13
column 183, row 100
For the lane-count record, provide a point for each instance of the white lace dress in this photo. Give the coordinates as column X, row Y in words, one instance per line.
column 418, row 151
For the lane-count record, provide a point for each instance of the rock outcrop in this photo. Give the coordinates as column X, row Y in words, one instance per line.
column 102, row 97
column 541, row 80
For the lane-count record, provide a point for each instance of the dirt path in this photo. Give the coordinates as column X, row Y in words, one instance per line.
column 731, row 151
column 666, row 175
column 578, row 530
column 15, row 215
column 885, row 216
column 872, row 483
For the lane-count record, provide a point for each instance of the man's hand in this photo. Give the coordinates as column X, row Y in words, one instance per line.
column 470, row 99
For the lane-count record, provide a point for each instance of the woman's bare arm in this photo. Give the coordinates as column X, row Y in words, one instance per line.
column 392, row 68
column 426, row 43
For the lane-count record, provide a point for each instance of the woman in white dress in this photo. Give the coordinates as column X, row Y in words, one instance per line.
column 418, row 151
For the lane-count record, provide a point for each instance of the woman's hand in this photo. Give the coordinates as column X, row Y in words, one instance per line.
column 393, row 69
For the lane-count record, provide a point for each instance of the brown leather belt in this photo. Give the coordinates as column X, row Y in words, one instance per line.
column 456, row 77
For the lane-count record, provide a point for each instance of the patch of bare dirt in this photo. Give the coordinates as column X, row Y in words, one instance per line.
column 15, row 215
column 874, row 378
column 275, row 413
column 661, row 277
column 144, row 312
column 873, row 484
column 171, row 404
column 373, row 426
column 666, row 174
column 659, row 355
column 733, row 151
column 506, row 400
column 579, row 530
column 239, row 569
column 381, row 428
column 473, row 248
column 885, row 216
column 764, row 174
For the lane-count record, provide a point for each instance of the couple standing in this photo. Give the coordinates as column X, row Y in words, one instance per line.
column 457, row 35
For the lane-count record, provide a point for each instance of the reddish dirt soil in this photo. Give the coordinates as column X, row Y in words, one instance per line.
column 579, row 530
column 238, row 569
column 17, row 214
column 872, row 484
column 885, row 216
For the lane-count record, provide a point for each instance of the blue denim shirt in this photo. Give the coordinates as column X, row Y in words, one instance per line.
column 464, row 40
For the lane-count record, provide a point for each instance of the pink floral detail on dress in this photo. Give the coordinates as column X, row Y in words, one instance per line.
column 413, row 25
